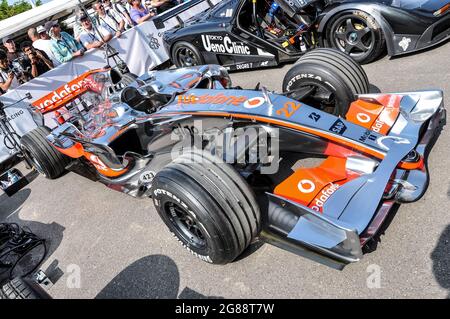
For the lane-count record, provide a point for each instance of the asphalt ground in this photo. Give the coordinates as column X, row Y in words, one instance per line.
column 104, row 244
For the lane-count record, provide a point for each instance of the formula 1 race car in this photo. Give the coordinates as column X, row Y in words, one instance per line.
column 244, row 34
column 226, row 166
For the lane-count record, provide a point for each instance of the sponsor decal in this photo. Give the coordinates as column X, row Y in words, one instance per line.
column 254, row 102
column 212, row 99
column 306, row 186
column 324, row 195
column 202, row 257
column 179, row 201
column 367, row 135
column 371, row 22
column 244, row 66
column 314, row 116
column 147, row 177
column 265, row 63
column 219, row 44
column 14, row 116
column 69, row 91
column 338, row 127
column 302, row 76
column 404, row 43
column 363, row 118
column 388, row 116
column 153, row 42
column 289, row 109
column 61, row 95
column 377, row 126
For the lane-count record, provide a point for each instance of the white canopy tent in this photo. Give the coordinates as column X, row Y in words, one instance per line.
column 56, row 9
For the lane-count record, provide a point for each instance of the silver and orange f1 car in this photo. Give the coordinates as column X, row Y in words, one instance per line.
column 315, row 170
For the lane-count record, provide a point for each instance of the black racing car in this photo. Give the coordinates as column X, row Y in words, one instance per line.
column 244, row 34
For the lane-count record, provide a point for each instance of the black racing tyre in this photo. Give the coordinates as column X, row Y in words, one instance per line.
column 207, row 206
column 44, row 157
column 333, row 77
column 19, row 288
column 185, row 54
column 355, row 33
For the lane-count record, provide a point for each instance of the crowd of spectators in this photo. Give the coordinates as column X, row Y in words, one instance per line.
column 49, row 46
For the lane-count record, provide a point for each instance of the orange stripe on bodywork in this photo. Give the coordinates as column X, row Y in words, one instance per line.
column 102, row 168
column 345, row 142
column 77, row 151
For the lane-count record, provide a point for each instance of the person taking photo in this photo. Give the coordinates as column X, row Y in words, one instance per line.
column 40, row 62
column 8, row 79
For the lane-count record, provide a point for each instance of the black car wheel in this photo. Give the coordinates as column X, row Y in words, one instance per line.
column 44, row 157
column 185, row 54
column 207, row 206
column 326, row 79
column 187, row 227
column 357, row 34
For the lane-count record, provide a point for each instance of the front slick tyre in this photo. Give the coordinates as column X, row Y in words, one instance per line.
column 44, row 157
column 334, row 77
column 208, row 207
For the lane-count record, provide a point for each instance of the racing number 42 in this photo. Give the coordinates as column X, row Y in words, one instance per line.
column 288, row 109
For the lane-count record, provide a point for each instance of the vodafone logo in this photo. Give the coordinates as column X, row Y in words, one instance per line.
column 254, row 102
column 320, row 201
column 60, row 94
column 306, row 186
column 363, row 118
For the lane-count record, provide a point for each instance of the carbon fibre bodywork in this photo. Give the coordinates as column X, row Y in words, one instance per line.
column 372, row 159
column 220, row 37
column 408, row 26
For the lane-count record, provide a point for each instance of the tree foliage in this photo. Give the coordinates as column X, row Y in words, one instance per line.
column 19, row 6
